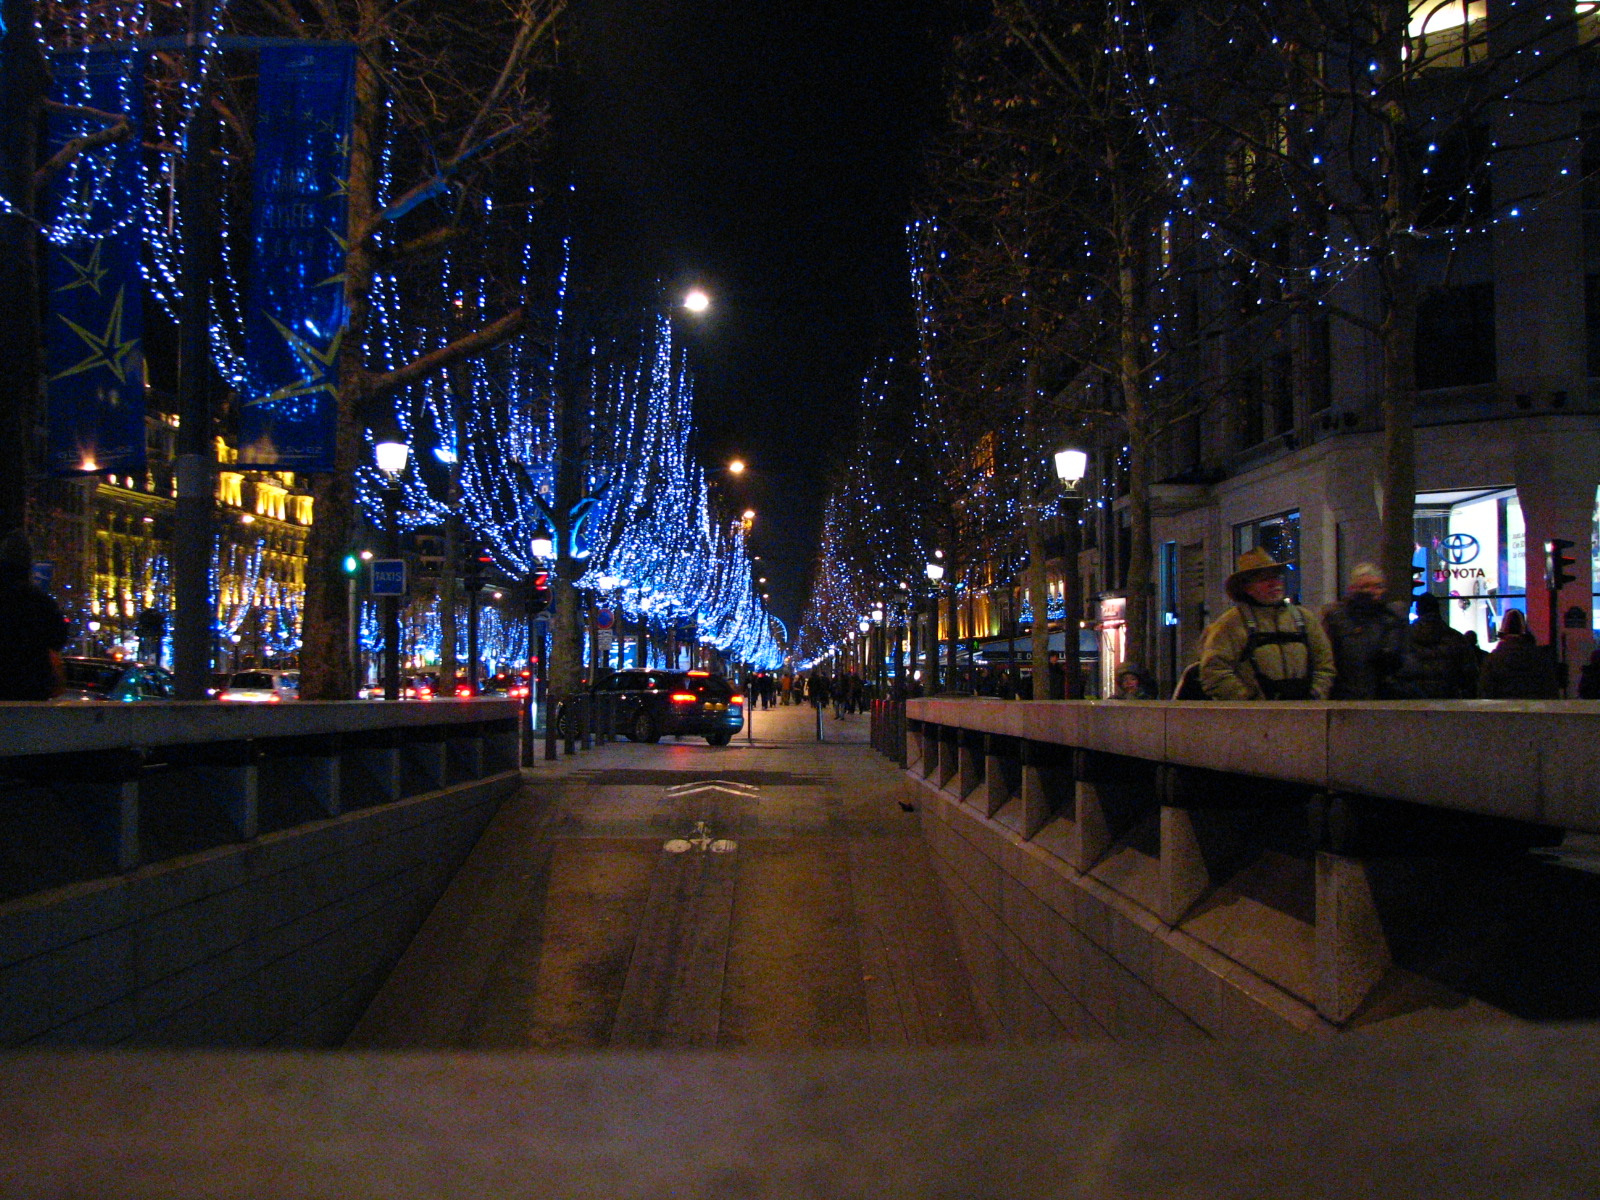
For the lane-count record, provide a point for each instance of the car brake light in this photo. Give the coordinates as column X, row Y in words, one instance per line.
column 463, row 690
column 699, row 674
column 273, row 699
column 684, row 697
column 735, row 699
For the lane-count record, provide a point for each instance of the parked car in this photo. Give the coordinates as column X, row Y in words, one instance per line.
column 262, row 687
column 108, row 679
column 651, row 704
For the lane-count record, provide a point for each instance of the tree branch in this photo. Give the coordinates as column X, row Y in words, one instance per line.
column 471, row 344
column 78, row 147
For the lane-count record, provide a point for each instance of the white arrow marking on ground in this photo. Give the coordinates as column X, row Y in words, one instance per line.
column 713, row 785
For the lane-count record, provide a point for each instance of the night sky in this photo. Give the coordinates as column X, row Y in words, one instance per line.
column 765, row 151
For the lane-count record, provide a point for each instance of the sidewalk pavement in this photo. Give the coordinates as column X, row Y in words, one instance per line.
column 771, row 894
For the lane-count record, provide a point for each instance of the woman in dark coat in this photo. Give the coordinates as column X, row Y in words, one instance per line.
column 1518, row 668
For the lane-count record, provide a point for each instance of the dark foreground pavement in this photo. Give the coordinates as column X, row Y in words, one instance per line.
column 773, row 894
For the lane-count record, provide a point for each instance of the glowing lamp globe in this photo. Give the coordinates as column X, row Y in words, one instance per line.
column 391, row 456
column 1071, row 466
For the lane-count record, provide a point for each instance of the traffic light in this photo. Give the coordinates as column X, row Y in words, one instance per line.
column 539, row 593
column 1558, row 564
column 475, row 563
column 351, row 564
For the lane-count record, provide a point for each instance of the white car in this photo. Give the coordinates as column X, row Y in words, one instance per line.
column 262, row 687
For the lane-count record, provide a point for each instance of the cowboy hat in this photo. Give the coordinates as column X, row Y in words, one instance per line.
column 1252, row 565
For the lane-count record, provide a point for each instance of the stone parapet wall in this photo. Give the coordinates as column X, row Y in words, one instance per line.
column 1171, row 871
column 278, row 941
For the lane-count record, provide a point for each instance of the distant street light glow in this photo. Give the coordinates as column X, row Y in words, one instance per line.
column 697, row 301
column 736, row 467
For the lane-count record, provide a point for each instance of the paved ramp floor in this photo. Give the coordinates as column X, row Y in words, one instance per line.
column 772, row 894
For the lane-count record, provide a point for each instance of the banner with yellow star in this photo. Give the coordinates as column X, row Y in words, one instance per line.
column 94, row 328
column 294, row 309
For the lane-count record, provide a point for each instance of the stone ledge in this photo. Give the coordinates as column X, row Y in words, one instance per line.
column 1520, row 760
column 1479, row 1115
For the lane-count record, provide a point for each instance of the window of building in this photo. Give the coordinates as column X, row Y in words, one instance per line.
column 1448, row 33
column 1279, row 536
column 1471, row 547
column 1455, row 337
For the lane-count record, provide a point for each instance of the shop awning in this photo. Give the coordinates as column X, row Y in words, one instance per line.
column 1000, row 651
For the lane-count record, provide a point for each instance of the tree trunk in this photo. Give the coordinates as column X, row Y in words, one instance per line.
column 1137, row 417
column 325, row 642
column 449, row 596
column 1039, row 601
column 1398, row 482
column 22, row 83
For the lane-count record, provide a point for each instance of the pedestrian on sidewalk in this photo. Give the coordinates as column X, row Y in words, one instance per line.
column 1439, row 664
column 35, row 630
column 1264, row 647
column 1368, row 639
column 1134, row 683
column 1518, row 668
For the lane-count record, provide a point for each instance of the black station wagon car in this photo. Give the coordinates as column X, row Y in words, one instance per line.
column 651, row 703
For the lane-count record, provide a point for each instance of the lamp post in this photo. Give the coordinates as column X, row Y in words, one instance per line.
column 880, row 651
column 1071, row 466
column 935, row 573
column 392, row 457
column 543, row 548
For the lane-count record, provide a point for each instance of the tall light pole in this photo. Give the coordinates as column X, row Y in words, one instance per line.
column 391, row 458
column 935, row 573
column 1072, row 465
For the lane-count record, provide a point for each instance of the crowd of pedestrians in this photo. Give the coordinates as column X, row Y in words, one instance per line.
column 1265, row 647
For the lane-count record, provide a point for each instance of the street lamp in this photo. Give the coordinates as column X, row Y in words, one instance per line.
column 1071, row 466
column 392, row 456
column 696, row 301
column 935, row 573
column 736, row 467
column 542, row 545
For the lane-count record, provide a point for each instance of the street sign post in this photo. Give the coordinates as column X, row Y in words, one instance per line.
column 388, row 576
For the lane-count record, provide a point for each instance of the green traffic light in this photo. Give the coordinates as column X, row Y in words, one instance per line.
column 352, row 564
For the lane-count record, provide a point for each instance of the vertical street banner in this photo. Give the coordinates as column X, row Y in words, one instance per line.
column 94, row 362
column 295, row 315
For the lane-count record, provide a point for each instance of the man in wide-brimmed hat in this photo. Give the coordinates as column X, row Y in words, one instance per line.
column 1264, row 647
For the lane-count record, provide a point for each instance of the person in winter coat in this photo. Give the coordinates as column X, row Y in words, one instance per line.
column 1518, row 668
column 1440, row 664
column 1589, row 678
column 1133, row 683
column 1368, row 639
column 35, row 630
column 1264, row 647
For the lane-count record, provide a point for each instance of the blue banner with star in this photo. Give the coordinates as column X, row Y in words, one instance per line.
column 94, row 326
column 294, row 308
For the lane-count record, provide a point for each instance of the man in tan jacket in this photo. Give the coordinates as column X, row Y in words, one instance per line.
column 1264, row 648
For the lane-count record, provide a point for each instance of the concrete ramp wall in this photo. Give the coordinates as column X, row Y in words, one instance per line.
column 276, row 942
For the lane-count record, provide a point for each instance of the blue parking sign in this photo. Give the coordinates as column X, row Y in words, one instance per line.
column 388, row 577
